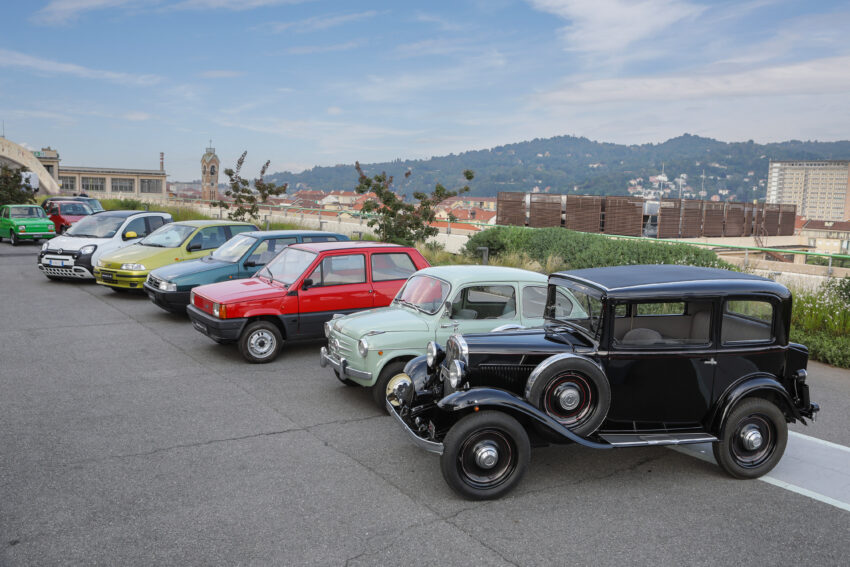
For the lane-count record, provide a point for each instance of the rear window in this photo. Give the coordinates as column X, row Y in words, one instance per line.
column 387, row 267
column 747, row 321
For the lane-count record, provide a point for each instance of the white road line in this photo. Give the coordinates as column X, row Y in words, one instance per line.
column 819, row 441
column 806, row 492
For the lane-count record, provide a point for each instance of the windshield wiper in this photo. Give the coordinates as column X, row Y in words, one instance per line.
column 410, row 304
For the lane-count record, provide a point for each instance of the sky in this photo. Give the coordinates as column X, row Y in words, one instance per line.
column 111, row 83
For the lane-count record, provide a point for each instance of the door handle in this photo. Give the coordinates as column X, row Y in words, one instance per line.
column 447, row 325
column 710, row 361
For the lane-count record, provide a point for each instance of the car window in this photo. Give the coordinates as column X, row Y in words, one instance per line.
column 138, row 226
column 210, row 237
column 340, row 270
column 240, row 228
column 5, row 213
column 25, row 212
column 268, row 249
column 662, row 324
column 76, row 209
column 154, row 222
column 387, row 267
column 319, row 238
column 533, row 301
column 485, row 302
column 746, row 321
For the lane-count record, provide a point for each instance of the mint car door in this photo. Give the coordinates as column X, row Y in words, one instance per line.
column 479, row 308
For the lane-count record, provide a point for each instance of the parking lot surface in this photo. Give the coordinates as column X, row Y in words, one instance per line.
column 128, row 438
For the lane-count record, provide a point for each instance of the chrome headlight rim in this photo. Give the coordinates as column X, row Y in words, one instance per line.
column 433, row 354
column 328, row 327
column 457, row 372
column 363, row 348
column 462, row 347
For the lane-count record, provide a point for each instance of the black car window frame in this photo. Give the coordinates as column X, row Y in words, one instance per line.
column 631, row 313
column 150, row 222
column 138, row 221
column 774, row 336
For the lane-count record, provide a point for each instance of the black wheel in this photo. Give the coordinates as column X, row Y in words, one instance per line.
column 575, row 393
column 13, row 238
column 752, row 440
column 260, row 342
column 485, row 455
column 345, row 381
column 385, row 383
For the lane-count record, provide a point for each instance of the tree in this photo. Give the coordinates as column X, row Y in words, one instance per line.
column 397, row 221
column 13, row 188
column 246, row 200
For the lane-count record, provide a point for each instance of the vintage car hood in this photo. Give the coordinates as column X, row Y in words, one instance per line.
column 526, row 341
column 388, row 319
column 201, row 270
column 149, row 256
column 253, row 289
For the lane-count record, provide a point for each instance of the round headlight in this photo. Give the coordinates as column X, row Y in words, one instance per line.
column 456, row 373
column 85, row 250
column 363, row 347
column 327, row 329
column 432, row 354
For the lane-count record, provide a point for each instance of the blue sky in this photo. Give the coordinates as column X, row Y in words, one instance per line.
column 320, row 82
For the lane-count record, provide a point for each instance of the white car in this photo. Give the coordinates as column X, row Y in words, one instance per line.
column 73, row 254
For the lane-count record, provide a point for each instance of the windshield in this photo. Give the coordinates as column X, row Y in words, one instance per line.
column 575, row 304
column 98, row 226
column 168, row 236
column 74, row 209
column 93, row 204
column 288, row 265
column 234, row 248
column 424, row 293
column 26, row 212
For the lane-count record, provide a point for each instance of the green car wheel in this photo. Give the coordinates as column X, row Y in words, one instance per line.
column 13, row 238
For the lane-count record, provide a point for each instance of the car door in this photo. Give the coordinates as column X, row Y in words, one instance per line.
column 263, row 253
column 209, row 238
column 389, row 271
column 338, row 284
column 478, row 308
column 661, row 363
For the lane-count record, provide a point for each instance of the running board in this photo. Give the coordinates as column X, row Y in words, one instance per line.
column 643, row 439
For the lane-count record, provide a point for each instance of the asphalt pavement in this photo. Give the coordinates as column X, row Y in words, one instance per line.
column 128, row 438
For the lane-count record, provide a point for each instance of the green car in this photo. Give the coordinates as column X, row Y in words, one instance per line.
column 25, row 222
column 128, row 268
column 369, row 348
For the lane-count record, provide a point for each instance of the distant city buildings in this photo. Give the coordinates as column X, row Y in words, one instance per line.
column 820, row 189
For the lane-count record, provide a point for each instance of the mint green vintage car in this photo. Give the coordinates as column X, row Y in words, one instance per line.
column 370, row 347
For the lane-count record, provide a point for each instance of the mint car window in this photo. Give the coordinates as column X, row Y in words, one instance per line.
column 485, row 302
column 424, row 292
column 234, row 249
column 533, row 301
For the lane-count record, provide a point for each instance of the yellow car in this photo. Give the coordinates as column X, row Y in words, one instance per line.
column 127, row 269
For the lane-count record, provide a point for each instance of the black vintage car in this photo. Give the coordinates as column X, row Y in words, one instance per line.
column 629, row 356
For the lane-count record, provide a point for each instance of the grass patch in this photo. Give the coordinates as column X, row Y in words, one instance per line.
column 821, row 321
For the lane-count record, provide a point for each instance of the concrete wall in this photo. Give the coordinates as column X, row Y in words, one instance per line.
column 19, row 155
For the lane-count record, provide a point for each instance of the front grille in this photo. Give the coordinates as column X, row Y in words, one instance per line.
column 63, row 272
column 154, row 282
column 341, row 346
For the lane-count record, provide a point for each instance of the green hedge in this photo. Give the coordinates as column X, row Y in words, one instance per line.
column 582, row 250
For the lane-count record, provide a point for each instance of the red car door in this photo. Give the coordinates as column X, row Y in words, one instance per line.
column 338, row 284
column 389, row 271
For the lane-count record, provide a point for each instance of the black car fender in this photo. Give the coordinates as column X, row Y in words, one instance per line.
column 417, row 369
column 754, row 385
column 477, row 399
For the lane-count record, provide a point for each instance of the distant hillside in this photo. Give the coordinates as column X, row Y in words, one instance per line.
column 569, row 164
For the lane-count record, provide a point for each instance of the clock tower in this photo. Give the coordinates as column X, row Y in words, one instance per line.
column 209, row 175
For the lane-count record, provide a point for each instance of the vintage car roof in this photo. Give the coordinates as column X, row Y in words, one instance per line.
column 278, row 233
column 666, row 279
column 343, row 245
column 466, row 274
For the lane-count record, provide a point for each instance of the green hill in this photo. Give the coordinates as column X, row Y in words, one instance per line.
column 569, row 164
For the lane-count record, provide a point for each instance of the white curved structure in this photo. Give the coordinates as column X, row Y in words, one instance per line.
column 15, row 155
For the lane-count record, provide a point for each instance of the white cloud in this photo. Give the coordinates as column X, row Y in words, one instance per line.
column 311, row 49
column 220, row 74
column 48, row 67
column 136, row 116
column 318, row 23
column 442, row 23
column 613, row 25
column 334, row 110
column 813, row 77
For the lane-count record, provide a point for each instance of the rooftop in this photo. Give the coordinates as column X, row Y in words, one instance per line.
column 353, row 244
column 66, row 169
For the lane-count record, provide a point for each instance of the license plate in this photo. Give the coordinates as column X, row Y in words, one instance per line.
column 107, row 277
column 200, row 326
column 59, row 263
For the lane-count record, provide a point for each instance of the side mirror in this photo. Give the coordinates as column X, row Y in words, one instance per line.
column 193, row 246
column 448, row 311
column 252, row 264
column 130, row 235
column 306, row 284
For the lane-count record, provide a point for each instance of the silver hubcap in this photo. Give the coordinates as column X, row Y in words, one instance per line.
column 752, row 438
column 486, row 455
column 569, row 397
column 261, row 344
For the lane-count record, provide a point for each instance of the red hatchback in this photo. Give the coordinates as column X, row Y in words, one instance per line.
column 294, row 294
column 65, row 213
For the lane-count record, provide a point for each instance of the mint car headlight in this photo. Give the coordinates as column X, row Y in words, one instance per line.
column 363, row 347
column 89, row 249
column 133, row 267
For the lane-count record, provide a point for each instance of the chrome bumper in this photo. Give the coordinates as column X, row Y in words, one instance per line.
column 430, row 446
column 341, row 366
